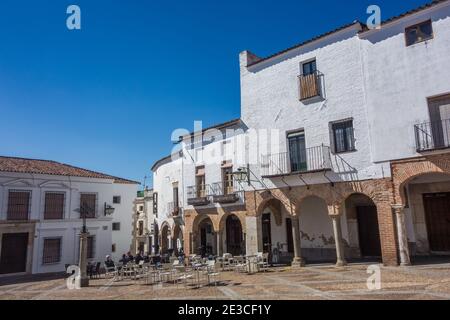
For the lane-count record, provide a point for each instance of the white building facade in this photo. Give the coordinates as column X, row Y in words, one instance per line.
column 350, row 159
column 145, row 237
column 40, row 219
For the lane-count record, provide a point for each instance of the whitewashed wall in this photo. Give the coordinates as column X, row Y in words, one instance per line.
column 399, row 79
column 69, row 227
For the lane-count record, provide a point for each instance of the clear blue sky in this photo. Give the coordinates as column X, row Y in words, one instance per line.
column 107, row 97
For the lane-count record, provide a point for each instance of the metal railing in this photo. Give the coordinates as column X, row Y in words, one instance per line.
column 198, row 191
column 173, row 209
column 432, row 135
column 306, row 160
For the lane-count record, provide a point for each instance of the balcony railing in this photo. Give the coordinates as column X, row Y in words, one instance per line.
column 198, row 195
column 310, row 85
column 307, row 160
column 432, row 135
column 173, row 209
column 225, row 194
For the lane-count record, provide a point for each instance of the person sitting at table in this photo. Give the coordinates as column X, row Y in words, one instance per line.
column 138, row 258
column 130, row 256
column 109, row 263
column 124, row 259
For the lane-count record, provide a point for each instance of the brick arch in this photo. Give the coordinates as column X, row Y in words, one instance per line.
column 199, row 219
column 404, row 172
column 275, row 205
column 223, row 220
column 303, row 197
column 164, row 241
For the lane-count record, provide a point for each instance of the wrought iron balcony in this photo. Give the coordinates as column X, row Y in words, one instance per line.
column 310, row 85
column 434, row 135
column 225, row 194
column 307, row 160
column 198, row 195
column 173, row 209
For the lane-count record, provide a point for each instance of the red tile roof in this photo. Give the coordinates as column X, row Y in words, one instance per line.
column 23, row 165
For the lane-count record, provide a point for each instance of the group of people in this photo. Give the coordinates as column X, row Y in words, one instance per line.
column 128, row 257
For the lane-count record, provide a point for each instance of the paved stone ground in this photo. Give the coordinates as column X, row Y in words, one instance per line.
column 312, row 283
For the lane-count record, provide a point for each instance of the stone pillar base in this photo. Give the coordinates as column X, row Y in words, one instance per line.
column 341, row 263
column 82, row 282
column 298, row 263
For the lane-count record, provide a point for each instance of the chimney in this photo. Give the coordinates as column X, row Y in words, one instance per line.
column 247, row 58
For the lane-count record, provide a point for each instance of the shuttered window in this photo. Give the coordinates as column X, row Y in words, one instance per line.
column 54, row 205
column 52, row 251
column 88, row 205
column 18, row 205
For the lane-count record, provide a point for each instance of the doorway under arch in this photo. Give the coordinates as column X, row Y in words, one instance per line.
column 363, row 227
column 206, row 239
column 234, row 236
column 165, row 239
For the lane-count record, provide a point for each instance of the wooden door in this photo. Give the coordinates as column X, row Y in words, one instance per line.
column 369, row 234
column 437, row 216
column 234, row 236
column 14, row 253
column 266, row 233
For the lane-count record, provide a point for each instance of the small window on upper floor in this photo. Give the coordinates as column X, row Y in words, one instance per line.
column 116, row 226
column 309, row 67
column 116, row 199
column 343, row 136
column 419, row 33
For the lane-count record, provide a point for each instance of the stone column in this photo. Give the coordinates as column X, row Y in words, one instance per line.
column 83, row 279
column 338, row 241
column 402, row 237
column 297, row 261
column 218, row 243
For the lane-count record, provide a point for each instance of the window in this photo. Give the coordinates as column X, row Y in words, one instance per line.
column 116, row 226
column 343, row 136
column 419, row 33
column 88, row 205
column 141, row 228
column 309, row 81
column 113, row 247
column 200, row 182
column 175, row 197
column 309, row 67
column 91, row 247
column 141, row 208
column 52, row 251
column 155, row 203
column 18, row 205
column 227, row 177
column 116, row 199
column 54, row 205
column 297, row 151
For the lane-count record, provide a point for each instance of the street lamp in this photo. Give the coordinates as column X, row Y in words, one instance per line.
column 242, row 174
column 108, row 210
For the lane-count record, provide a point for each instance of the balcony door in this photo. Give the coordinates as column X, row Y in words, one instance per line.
column 297, row 151
column 439, row 109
